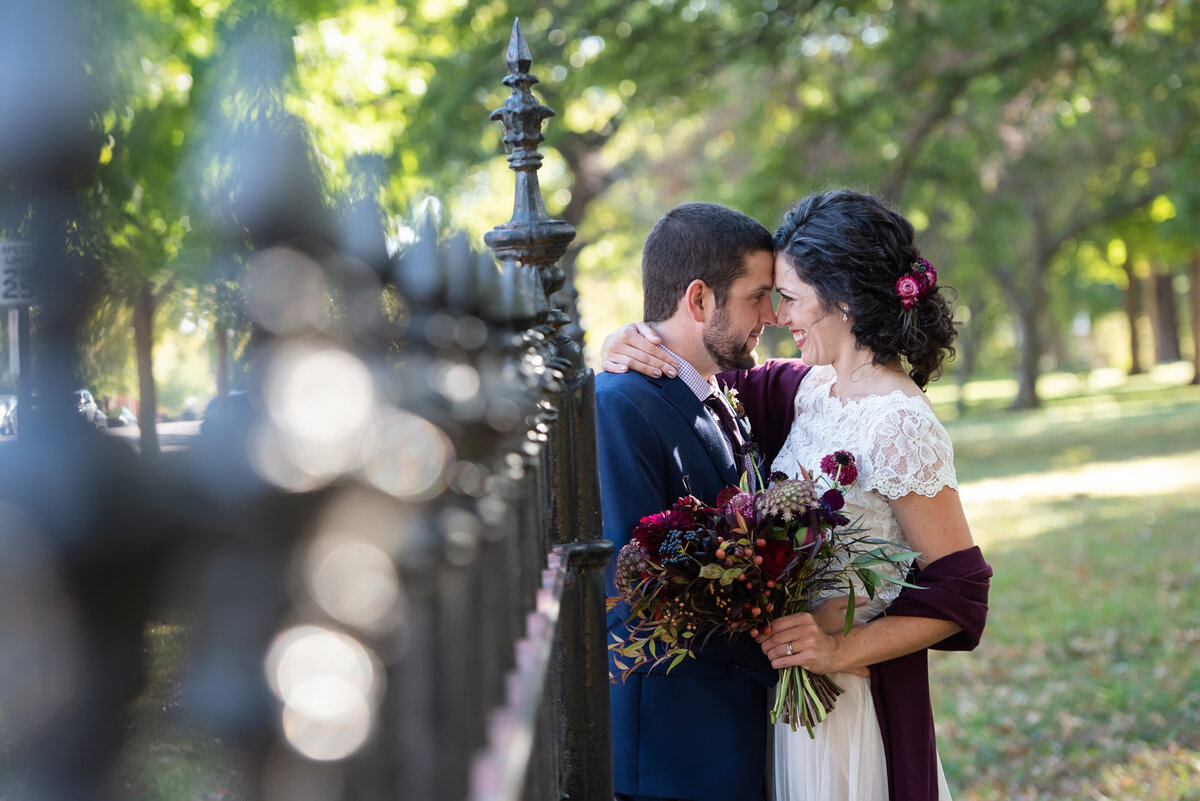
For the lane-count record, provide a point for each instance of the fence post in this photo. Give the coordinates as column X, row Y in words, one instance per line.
column 537, row 242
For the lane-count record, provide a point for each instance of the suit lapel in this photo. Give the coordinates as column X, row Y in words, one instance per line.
column 707, row 430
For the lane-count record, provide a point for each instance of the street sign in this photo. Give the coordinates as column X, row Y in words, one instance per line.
column 16, row 274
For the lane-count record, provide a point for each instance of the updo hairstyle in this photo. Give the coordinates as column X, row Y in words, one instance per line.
column 852, row 249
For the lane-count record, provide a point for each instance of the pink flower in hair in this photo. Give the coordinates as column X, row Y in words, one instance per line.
column 909, row 289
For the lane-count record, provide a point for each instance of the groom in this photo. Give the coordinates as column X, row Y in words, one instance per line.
column 699, row 732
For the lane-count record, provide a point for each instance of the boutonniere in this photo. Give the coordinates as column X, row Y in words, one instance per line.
column 735, row 403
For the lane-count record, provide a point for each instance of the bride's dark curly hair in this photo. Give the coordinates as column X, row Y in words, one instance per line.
column 851, row 248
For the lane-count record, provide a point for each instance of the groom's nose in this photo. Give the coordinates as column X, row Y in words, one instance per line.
column 767, row 316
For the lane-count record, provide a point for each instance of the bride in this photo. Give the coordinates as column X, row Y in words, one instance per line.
column 869, row 317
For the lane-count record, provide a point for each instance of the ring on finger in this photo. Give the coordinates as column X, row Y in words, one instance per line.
column 789, row 649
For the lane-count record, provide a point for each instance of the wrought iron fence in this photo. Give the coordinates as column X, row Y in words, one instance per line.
column 386, row 555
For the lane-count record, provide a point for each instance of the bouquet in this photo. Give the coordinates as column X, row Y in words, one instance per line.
column 694, row 570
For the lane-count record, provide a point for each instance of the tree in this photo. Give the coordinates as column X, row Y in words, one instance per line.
column 1025, row 128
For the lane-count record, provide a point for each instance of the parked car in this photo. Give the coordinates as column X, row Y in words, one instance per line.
column 79, row 400
column 123, row 417
column 86, row 408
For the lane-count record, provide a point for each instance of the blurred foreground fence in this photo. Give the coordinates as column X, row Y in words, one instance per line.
column 385, row 557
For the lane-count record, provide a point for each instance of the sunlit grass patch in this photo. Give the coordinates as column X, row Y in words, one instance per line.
column 1068, row 435
column 1087, row 676
column 1171, row 772
column 1063, row 388
column 163, row 759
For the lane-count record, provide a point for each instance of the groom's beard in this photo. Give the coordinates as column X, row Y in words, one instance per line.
column 728, row 350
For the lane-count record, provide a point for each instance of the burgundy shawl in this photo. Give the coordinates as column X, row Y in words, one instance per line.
column 954, row 587
column 768, row 391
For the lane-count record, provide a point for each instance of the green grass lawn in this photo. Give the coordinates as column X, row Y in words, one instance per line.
column 163, row 759
column 1087, row 683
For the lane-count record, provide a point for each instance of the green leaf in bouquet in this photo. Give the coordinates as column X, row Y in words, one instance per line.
column 776, row 533
column 679, row 658
column 850, row 607
column 731, row 575
column 687, row 635
column 880, row 578
column 711, row 571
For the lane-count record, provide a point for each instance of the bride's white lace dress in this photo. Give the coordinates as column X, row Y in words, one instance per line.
column 900, row 448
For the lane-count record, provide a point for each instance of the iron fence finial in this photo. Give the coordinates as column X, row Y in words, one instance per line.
column 519, row 59
column 531, row 236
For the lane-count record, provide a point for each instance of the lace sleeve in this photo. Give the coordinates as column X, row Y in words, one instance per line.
column 911, row 452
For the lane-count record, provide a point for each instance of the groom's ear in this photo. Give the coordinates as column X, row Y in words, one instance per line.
column 698, row 300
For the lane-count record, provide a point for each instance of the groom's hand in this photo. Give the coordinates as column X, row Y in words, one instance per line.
column 636, row 346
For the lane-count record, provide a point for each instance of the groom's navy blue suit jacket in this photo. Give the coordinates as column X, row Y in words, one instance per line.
column 700, row 731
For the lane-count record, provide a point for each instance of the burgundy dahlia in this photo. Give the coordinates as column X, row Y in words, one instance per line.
column 840, row 466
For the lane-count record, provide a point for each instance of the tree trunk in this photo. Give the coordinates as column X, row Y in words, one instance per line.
column 1030, row 345
column 1166, row 320
column 1028, row 305
column 1195, row 292
column 967, row 349
column 222, row 358
column 143, row 337
column 1133, row 306
column 591, row 178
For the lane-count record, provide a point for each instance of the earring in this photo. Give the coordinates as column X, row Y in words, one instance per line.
column 845, row 312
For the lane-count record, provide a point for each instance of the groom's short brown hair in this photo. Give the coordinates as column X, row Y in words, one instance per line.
column 696, row 240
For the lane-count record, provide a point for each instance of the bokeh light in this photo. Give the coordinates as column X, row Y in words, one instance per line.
column 353, row 581
column 407, row 456
column 330, row 685
column 319, row 401
column 287, row 292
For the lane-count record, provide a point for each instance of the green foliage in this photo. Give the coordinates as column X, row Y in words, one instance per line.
column 1020, row 140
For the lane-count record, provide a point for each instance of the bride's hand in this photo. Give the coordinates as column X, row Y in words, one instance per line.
column 635, row 346
column 810, row 647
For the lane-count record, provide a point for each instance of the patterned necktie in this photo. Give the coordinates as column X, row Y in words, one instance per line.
column 743, row 450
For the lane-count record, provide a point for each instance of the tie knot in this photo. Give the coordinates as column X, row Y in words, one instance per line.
column 718, row 405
